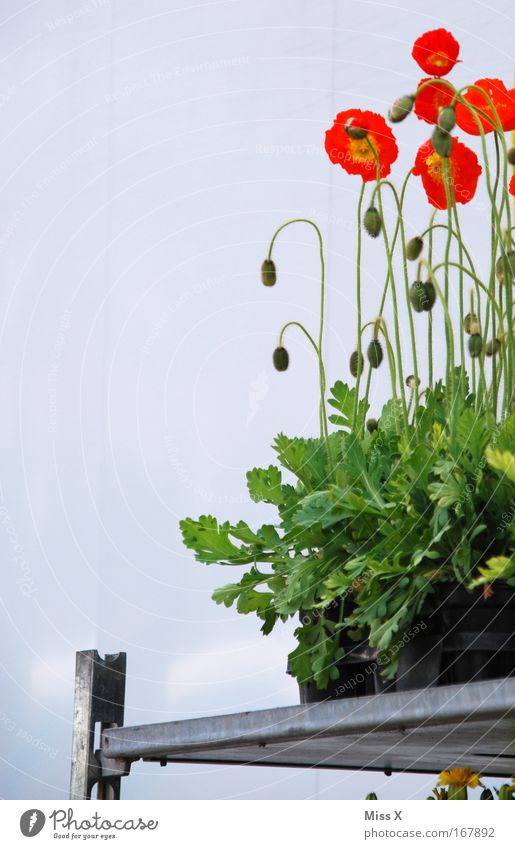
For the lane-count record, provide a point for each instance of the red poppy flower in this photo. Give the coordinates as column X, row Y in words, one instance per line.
column 464, row 173
column 355, row 155
column 503, row 100
column 436, row 52
column 511, row 187
column 431, row 99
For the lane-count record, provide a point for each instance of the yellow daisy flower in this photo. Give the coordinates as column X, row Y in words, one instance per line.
column 459, row 777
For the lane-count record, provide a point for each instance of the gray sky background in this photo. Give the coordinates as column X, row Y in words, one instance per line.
column 148, row 152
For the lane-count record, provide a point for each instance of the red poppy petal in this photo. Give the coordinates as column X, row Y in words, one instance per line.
column 431, row 99
column 479, row 107
column 511, row 187
column 355, row 155
column 464, row 170
column 436, row 52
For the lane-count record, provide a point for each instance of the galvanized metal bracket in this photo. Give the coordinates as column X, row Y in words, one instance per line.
column 99, row 705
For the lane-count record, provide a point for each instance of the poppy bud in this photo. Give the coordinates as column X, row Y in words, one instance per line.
column 509, row 262
column 430, row 296
column 356, row 363
column 354, row 131
column 422, row 296
column 375, row 353
column 412, row 381
column 372, row 222
column 492, row 347
column 414, row 248
column 401, row 108
column 442, row 142
column 447, row 119
column 468, row 321
column 371, row 797
column 371, row 425
column 268, row 272
column 511, row 155
column 475, row 344
column 486, row 794
column 281, row 358
column 475, row 328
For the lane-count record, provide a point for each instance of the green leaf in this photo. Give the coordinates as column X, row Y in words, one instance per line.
column 210, row 541
column 496, row 569
column 502, row 461
column 343, row 399
column 265, row 485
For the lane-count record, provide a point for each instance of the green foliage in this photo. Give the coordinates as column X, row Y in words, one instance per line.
column 379, row 519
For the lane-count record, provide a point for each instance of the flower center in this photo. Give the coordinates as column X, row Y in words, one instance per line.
column 361, row 150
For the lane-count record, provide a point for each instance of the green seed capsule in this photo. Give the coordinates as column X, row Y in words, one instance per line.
column 511, row 155
column 417, row 296
column 507, row 262
column 492, row 347
column 375, row 353
column 447, row 119
column 356, row 364
column 401, row 108
column 354, row 131
column 268, row 273
column 442, row 142
column 281, row 358
column 468, row 321
column 372, row 222
column 414, row 248
column 371, row 425
column 430, row 296
column 475, row 345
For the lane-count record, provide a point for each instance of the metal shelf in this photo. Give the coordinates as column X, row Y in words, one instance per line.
column 417, row 731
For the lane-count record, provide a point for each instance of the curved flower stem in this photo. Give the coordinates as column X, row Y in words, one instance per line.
column 358, row 299
column 432, row 226
column 323, row 414
column 447, row 181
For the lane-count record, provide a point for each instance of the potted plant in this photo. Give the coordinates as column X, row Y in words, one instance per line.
column 394, row 538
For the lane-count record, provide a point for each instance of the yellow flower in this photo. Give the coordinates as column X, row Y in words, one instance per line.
column 459, row 777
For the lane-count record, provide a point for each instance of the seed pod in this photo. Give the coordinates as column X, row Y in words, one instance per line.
column 355, row 131
column 492, row 347
column 414, row 248
column 447, row 119
column 475, row 344
column 372, row 222
column 412, row 381
column 375, row 353
column 356, row 364
column 401, row 108
column 430, row 296
column 442, row 142
column 468, row 321
column 511, row 155
column 507, row 261
column 417, row 296
column 281, row 358
column 268, row 272
column 371, row 425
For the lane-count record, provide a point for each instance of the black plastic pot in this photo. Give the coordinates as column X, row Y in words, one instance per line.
column 467, row 638
column 356, row 668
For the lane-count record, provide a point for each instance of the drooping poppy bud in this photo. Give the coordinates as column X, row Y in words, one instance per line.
column 447, row 119
column 511, row 155
column 401, row 108
column 375, row 353
column 354, row 131
column 442, row 142
column 356, row 363
column 505, row 262
column 468, row 321
column 414, row 248
column 372, row 222
column 475, row 344
column 371, row 425
column 412, row 381
column 268, row 272
column 281, row 358
column 492, row 347
column 417, row 296
column 430, row 296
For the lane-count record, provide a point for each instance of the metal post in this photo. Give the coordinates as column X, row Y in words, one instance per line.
column 99, row 698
